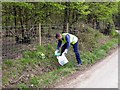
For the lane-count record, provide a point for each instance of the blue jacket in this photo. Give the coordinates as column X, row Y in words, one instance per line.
column 67, row 37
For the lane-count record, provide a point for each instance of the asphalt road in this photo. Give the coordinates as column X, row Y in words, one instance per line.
column 102, row 75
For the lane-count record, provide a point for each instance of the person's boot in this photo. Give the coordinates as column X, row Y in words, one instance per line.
column 78, row 65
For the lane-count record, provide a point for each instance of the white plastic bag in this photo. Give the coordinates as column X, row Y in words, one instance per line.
column 62, row 59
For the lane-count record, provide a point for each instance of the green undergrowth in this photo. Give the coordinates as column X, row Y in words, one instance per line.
column 88, row 58
column 99, row 53
column 42, row 67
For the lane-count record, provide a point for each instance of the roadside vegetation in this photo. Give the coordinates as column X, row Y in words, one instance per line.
column 39, row 68
column 94, row 23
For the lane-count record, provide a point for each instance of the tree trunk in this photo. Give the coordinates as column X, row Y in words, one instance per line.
column 66, row 16
column 15, row 19
column 6, row 24
column 21, row 22
column 97, row 25
column 7, row 19
column 90, row 19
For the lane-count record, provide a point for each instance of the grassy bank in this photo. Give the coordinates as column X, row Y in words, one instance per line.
column 39, row 68
column 88, row 58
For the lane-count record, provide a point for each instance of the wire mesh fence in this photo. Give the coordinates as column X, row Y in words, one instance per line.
column 17, row 39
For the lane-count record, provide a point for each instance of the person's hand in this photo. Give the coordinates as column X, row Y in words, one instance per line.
column 65, row 52
column 56, row 51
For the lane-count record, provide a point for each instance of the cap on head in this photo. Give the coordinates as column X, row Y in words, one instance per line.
column 58, row 35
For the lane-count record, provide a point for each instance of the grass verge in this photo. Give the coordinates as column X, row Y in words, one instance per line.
column 39, row 68
column 49, row 78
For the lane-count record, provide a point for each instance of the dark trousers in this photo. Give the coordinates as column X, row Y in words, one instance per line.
column 76, row 50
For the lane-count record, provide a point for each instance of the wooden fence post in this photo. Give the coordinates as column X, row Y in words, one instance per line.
column 67, row 29
column 39, row 33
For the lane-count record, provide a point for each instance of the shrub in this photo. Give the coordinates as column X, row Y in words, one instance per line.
column 23, row 86
column 9, row 63
column 34, row 54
